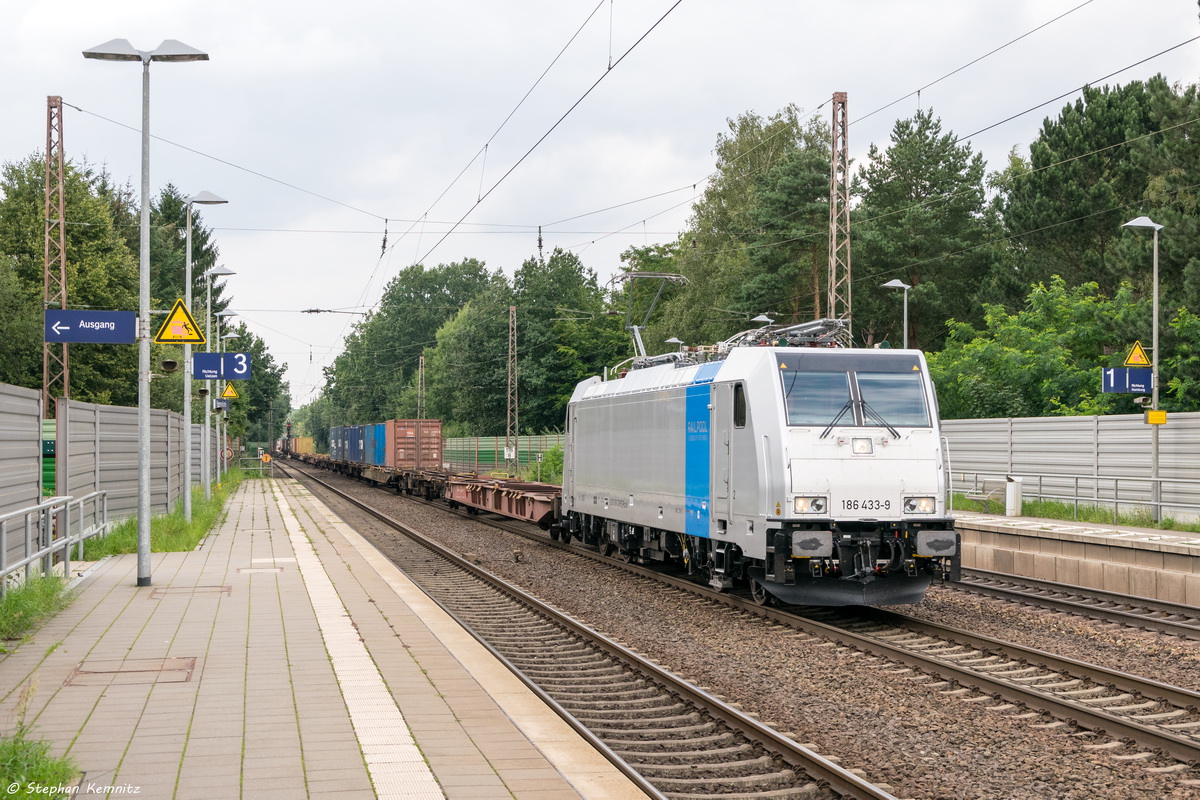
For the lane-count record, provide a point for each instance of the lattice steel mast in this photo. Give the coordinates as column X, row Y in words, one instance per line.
column 839, row 216
column 56, row 362
column 510, row 434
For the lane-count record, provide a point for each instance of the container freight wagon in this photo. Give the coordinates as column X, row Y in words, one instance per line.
column 414, row 444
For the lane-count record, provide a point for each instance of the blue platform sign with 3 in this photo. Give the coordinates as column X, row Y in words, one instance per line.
column 217, row 366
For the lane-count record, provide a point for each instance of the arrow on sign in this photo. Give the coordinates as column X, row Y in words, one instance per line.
column 58, row 327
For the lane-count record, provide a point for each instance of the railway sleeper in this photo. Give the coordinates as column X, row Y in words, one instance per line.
column 576, row 677
column 641, row 722
column 682, row 733
column 780, row 779
column 638, row 714
column 720, row 739
column 806, row 792
column 715, row 755
column 762, row 765
column 610, row 696
column 599, row 706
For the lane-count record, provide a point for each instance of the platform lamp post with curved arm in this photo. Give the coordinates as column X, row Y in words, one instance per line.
column 896, row 283
column 222, row 432
column 207, row 461
column 208, row 199
column 1155, row 487
column 122, row 50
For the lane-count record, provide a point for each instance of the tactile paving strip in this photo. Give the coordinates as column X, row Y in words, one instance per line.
column 397, row 768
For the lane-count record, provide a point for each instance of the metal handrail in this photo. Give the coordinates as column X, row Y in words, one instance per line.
column 1096, row 483
column 54, row 513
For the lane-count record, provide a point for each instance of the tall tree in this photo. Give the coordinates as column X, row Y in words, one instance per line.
column 101, row 274
column 759, row 161
column 923, row 219
column 1088, row 173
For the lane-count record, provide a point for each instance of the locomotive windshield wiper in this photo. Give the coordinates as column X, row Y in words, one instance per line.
column 866, row 409
column 840, row 414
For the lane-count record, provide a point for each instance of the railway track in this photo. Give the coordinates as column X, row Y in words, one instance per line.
column 676, row 740
column 1136, row 612
column 999, row 676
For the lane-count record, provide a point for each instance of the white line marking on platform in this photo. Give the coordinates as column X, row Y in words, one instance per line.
column 397, row 768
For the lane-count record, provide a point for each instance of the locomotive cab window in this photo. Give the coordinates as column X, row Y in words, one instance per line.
column 872, row 391
column 896, row 398
column 739, row 405
column 816, row 398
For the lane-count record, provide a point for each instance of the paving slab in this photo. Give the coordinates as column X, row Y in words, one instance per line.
column 259, row 665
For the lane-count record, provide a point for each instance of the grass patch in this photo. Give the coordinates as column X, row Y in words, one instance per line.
column 169, row 533
column 24, row 606
column 1085, row 512
column 27, row 763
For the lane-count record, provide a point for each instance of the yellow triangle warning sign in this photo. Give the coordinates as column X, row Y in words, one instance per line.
column 179, row 328
column 230, row 393
column 1137, row 356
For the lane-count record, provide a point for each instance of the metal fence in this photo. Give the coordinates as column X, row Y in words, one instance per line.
column 1090, row 460
column 98, row 451
column 51, row 528
column 20, row 453
column 486, row 453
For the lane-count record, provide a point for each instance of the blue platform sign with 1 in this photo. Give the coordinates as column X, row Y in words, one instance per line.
column 217, row 366
column 1127, row 380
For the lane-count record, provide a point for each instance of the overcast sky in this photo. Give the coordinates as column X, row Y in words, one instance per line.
column 319, row 121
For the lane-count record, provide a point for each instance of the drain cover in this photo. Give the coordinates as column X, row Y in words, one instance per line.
column 129, row 671
column 160, row 592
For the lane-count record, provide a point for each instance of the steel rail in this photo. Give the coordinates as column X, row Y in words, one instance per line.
column 820, row 769
column 1075, row 600
column 1182, row 748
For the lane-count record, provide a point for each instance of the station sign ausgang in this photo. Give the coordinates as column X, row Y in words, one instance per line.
column 103, row 327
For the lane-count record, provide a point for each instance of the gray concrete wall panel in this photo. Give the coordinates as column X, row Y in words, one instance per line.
column 98, row 450
column 20, row 457
column 1062, row 449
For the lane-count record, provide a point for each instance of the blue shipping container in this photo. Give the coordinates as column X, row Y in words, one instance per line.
column 354, row 444
column 337, row 450
column 376, row 444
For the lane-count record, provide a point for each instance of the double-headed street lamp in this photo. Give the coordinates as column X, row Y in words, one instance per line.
column 208, row 199
column 122, row 50
column 206, row 461
column 222, row 430
column 1155, row 488
column 896, row 283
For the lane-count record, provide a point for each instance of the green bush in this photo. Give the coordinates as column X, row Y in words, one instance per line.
column 24, row 606
column 27, row 763
column 169, row 533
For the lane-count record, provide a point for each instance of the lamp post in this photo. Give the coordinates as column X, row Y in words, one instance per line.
column 896, row 283
column 206, row 464
column 1155, row 487
column 122, row 50
column 221, row 432
column 204, row 198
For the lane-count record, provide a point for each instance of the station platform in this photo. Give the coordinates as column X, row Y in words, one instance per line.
column 1145, row 562
column 284, row 658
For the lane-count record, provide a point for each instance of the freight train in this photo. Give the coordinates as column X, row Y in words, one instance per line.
column 778, row 461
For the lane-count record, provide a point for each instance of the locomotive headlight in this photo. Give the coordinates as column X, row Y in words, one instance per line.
column 862, row 447
column 920, row 505
column 809, row 505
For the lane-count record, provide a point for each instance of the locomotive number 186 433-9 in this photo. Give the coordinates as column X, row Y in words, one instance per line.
column 866, row 505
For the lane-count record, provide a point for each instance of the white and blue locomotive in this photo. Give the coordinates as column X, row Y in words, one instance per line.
column 813, row 474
